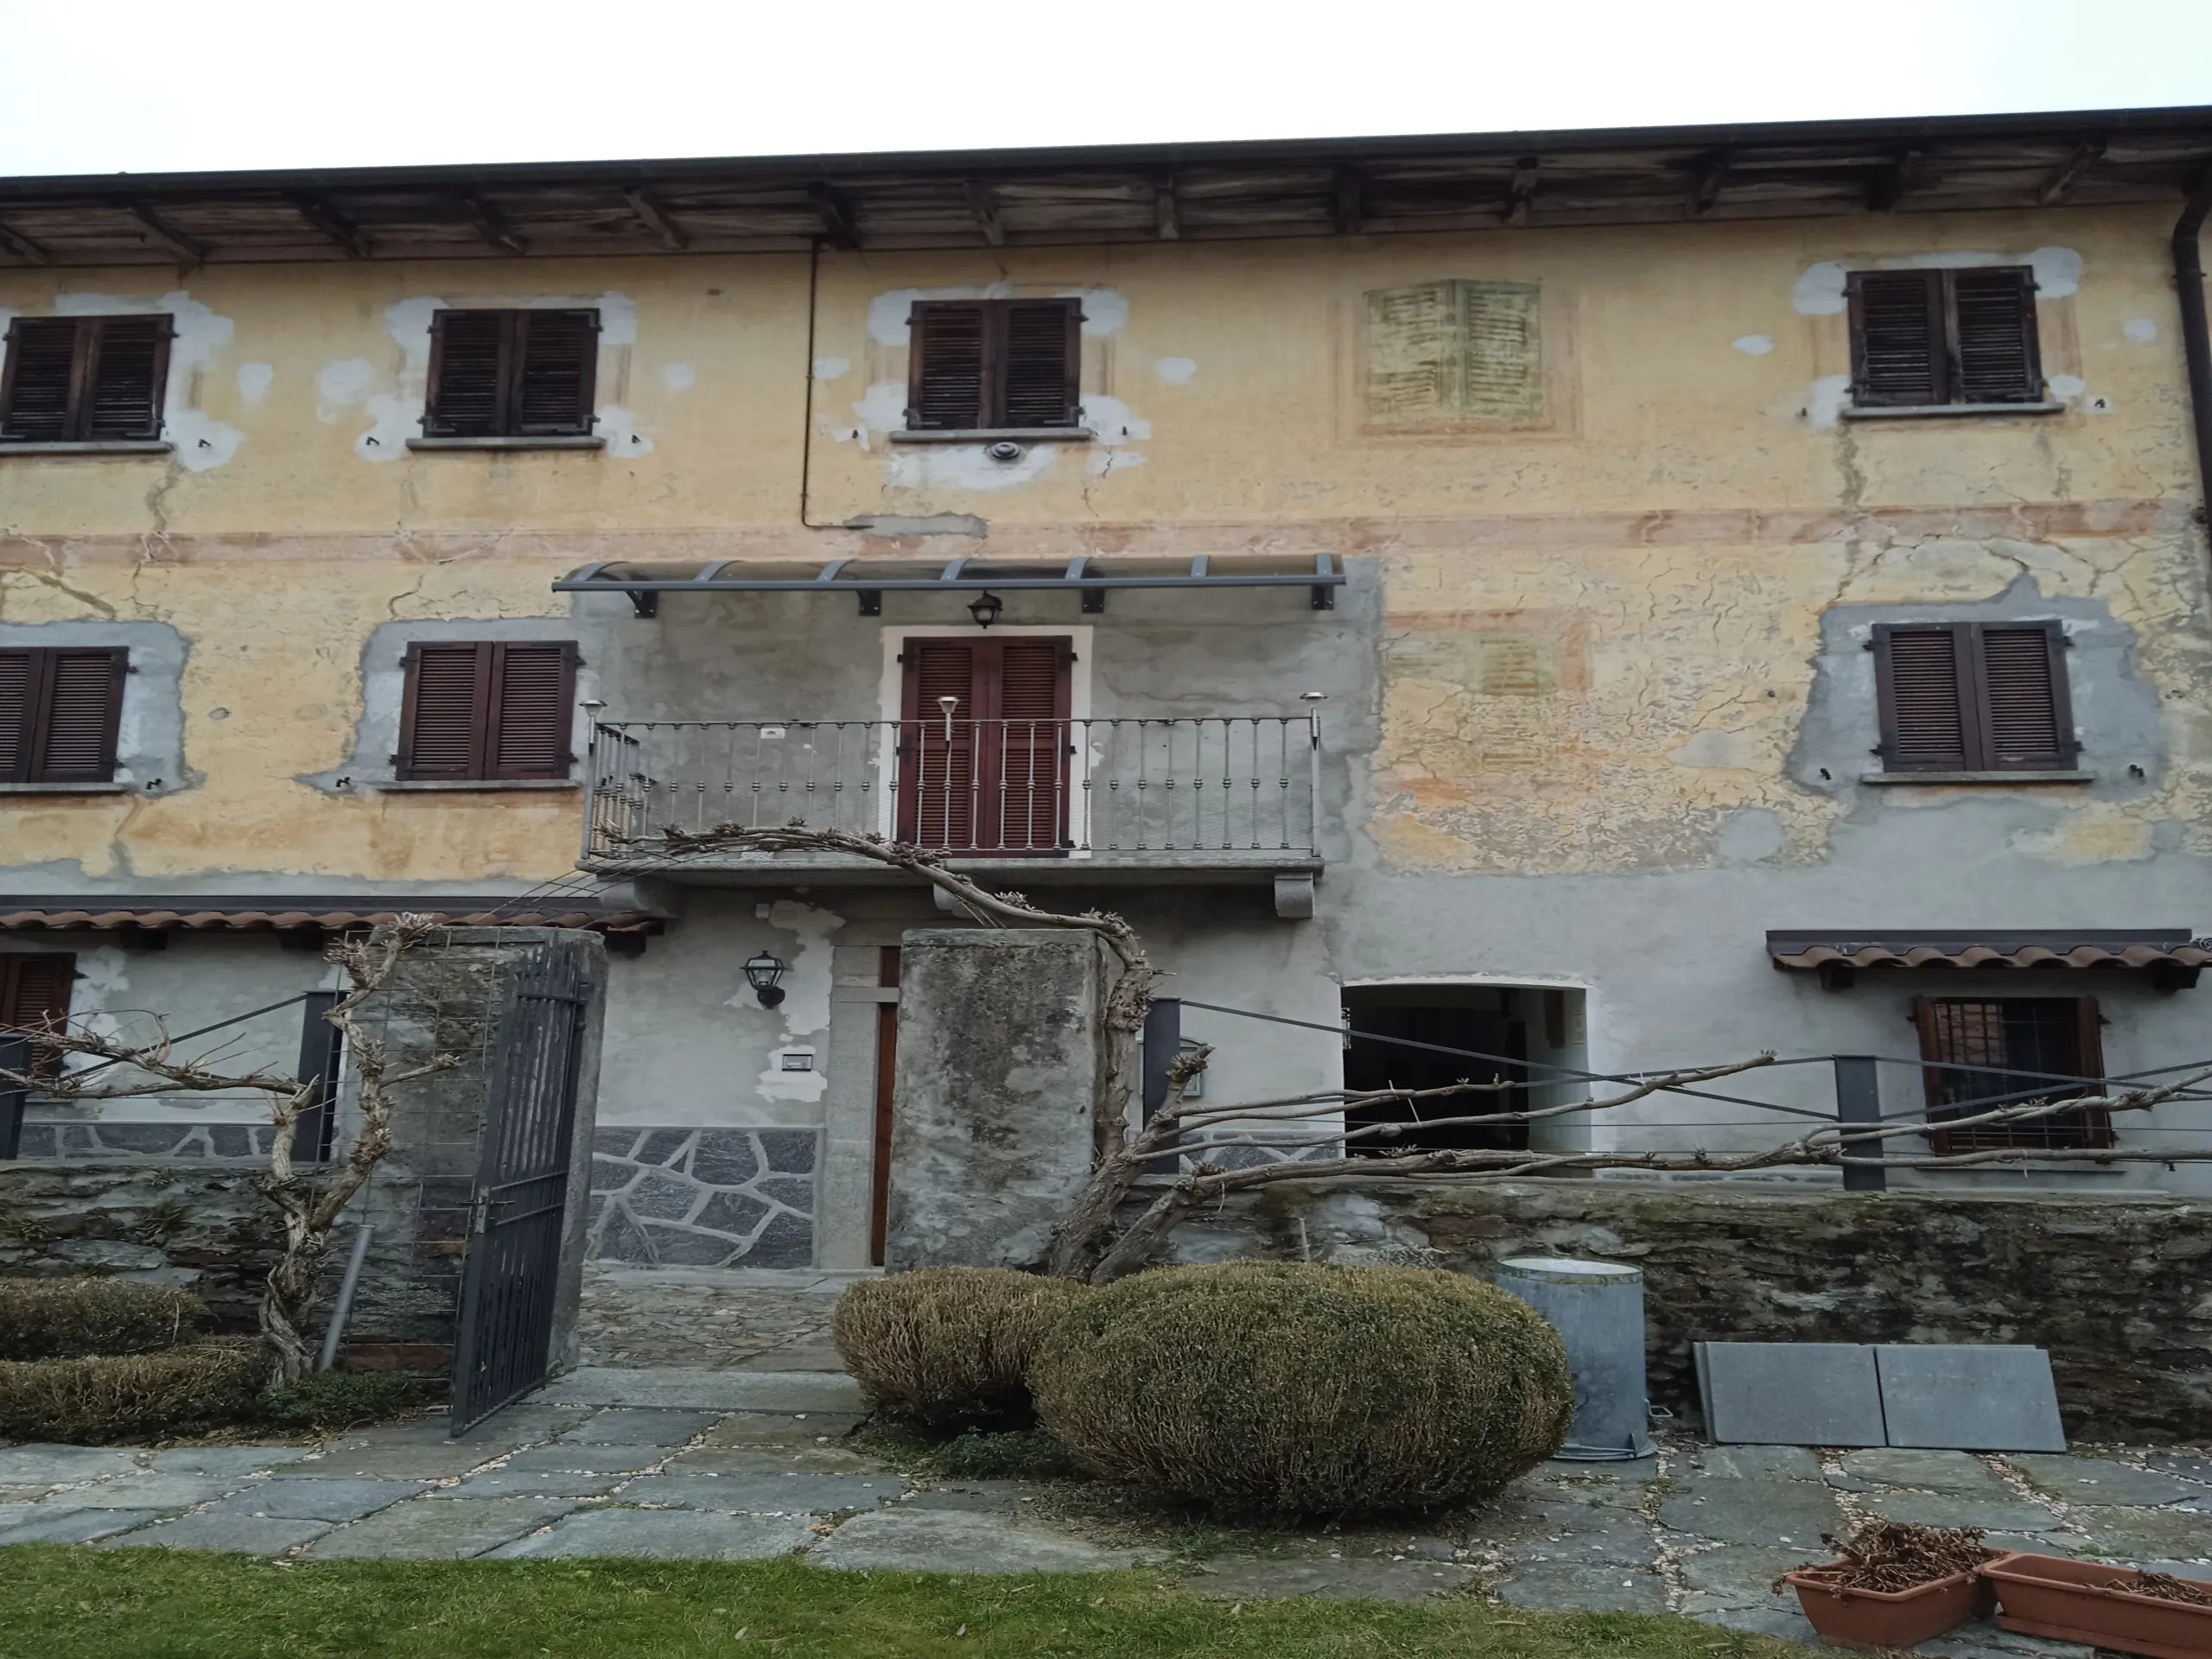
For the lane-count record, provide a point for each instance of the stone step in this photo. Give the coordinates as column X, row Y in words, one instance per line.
column 609, row 1385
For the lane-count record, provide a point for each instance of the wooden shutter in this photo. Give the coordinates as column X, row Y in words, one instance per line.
column 34, row 992
column 36, row 397
column 445, row 711
column 1040, row 360
column 1994, row 324
column 558, row 357
column 1897, row 355
column 18, row 687
column 937, row 781
column 945, row 377
column 60, row 711
column 1925, row 695
column 470, row 351
column 1412, row 362
column 84, row 380
column 534, row 686
column 1030, row 734
column 127, row 369
column 486, row 710
column 2026, row 717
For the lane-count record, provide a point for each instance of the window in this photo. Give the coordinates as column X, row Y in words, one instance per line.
column 984, row 745
column 84, row 379
column 1923, row 339
column 487, row 711
column 1973, row 696
column 33, row 992
column 60, row 707
column 1455, row 351
column 2018, row 1037
column 994, row 365
column 512, row 374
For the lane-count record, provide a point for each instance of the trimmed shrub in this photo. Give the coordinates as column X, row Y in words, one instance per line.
column 1305, row 1390
column 329, row 1401
column 946, row 1346
column 48, row 1319
column 129, row 1396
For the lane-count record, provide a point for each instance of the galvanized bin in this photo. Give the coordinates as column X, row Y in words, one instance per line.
column 1597, row 1309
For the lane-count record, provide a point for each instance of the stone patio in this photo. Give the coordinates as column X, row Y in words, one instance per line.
column 747, row 1465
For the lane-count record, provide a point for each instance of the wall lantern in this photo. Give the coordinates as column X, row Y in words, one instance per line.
column 762, row 972
column 986, row 609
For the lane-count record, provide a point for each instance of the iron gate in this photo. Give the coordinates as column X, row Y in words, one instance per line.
column 511, row 1282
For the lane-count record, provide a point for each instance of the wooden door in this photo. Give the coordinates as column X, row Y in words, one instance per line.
column 987, row 772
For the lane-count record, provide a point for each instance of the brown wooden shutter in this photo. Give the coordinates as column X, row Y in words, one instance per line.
column 1031, row 741
column 81, row 715
column 1040, row 362
column 34, row 992
column 1898, row 356
column 1994, row 313
column 945, row 382
column 18, row 686
column 470, row 351
column 1925, row 694
column 446, row 712
column 558, row 354
column 937, row 786
column 126, row 376
column 530, row 722
column 36, row 395
column 2026, row 717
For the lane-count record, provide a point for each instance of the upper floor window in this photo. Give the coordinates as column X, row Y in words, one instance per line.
column 994, row 365
column 84, row 379
column 35, row 992
column 487, row 711
column 512, row 374
column 1973, row 696
column 61, row 709
column 1926, row 339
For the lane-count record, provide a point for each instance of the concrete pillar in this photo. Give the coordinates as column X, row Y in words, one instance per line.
column 996, row 1092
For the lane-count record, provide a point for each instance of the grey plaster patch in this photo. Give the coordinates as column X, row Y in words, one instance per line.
column 642, row 1425
column 664, row 1535
column 66, row 1524
column 53, row 1466
column 229, row 1534
column 956, row 1541
column 1354, row 1578
column 1951, row 1510
column 1921, row 1469
column 590, row 1459
column 787, row 1493
column 297, row 1499
column 2100, row 1481
column 1983, row 1398
column 436, row 1529
column 1560, row 1587
column 703, row 1197
column 156, row 1491
column 150, row 741
column 1756, row 1512
column 536, row 1483
column 1791, row 1393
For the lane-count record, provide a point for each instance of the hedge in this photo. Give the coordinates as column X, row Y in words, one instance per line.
column 123, row 1396
column 945, row 1346
column 48, row 1319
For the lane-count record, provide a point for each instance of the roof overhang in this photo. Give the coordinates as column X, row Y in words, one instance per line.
column 868, row 580
column 309, row 921
column 2169, row 955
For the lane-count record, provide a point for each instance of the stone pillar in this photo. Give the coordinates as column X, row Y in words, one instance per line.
column 995, row 1094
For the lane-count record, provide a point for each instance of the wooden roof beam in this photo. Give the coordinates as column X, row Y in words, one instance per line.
column 2069, row 173
column 985, row 207
column 1350, row 203
column 1706, row 179
column 655, row 219
column 24, row 248
column 1163, row 211
column 332, row 224
column 192, row 252
column 1891, row 183
column 488, row 223
column 1520, row 193
column 836, row 216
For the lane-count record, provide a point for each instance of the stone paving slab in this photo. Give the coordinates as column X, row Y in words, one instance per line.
column 535, row 1483
column 641, row 1426
column 665, row 1535
column 291, row 1498
column 75, row 1526
column 808, row 1391
column 156, row 1491
column 2008, row 1514
column 1588, row 1533
column 590, row 1459
column 1756, row 1512
column 958, row 1541
column 224, row 1535
column 2188, row 1467
column 761, row 1460
column 1001, row 1495
column 1924, row 1471
column 2100, row 1481
column 523, row 1424
column 1638, row 1470
column 778, row 1428
column 2143, row 1534
column 766, row 1494
column 1742, row 1574
column 53, row 1466
column 441, row 1461
column 221, row 1459
column 1561, row 1587
column 1751, row 1463
column 437, row 1529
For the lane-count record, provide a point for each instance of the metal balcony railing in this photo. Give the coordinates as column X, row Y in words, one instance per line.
column 1214, row 789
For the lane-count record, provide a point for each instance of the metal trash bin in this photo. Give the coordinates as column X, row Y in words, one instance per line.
column 1597, row 1309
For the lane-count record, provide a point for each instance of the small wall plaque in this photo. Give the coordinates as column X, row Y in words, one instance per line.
column 797, row 1059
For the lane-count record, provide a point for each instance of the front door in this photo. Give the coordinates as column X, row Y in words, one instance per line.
column 983, row 745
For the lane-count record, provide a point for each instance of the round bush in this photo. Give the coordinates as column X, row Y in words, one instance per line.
column 943, row 1346
column 1303, row 1390
column 49, row 1319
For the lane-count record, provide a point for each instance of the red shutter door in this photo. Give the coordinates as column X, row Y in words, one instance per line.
column 1026, row 747
column 937, row 756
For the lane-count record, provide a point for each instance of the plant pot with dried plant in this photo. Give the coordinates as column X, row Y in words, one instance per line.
column 1893, row 1585
column 2115, row 1607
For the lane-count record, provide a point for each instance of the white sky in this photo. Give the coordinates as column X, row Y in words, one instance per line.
column 133, row 86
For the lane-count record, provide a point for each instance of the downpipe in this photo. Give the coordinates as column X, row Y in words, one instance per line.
column 2195, row 334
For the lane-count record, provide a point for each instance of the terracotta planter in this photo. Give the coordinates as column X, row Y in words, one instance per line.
column 1889, row 1618
column 2049, row 1595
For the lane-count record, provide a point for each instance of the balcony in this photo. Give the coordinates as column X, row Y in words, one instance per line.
column 1219, row 799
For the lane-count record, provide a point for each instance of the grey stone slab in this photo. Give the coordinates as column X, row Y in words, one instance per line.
column 1955, row 1510
column 1792, row 1513
column 55, row 1465
column 156, row 1491
column 2188, row 1468
column 781, row 1428
column 1570, row 1531
column 767, row 1494
column 631, row 1426
column 1921, row 1469
column 1353, row 1577
column 589, row 1460
column 2100, row 1481
column 666, row 1535
column 14, row 1511
column 1984, row 1639
column 59, row 1524
column 227, row 1535
column 780, row 1391
column 294, row 1499
column 1637, row 1470
column 1791, row 1393
column 763, row 1459
column 1004, row 1496
column 1752, row 1463
column 437, row 1529
column 523, row 1425
column 2144, row 1534
column 1559, row 1587
column 535, row 1483
column 436, row 1462
column 222, row 1460
column 1743, row 1574
column 1988, row 1397
column 956, row 1541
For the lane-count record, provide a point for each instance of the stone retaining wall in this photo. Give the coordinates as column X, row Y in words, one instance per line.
column 2117, row 1290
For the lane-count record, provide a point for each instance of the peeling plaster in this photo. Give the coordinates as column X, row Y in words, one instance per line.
column 1104, row 309
column 254, row 381
column 1175, row 371
column 1821, row 287
column 831, row 368
column 805, row 1008
column 2067, row 387
column 201, row 441
column 1825, row 403
column 1755, row 345
column 680, row 377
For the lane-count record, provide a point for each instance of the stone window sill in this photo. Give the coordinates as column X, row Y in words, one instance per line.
column 1936, row 412
column 470, row 786
column 574, row 441
column 1891, row 778
column 68, row 789
column 995, row 434
column 99, row 446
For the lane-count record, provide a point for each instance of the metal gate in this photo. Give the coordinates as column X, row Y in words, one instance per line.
column 511, row 1279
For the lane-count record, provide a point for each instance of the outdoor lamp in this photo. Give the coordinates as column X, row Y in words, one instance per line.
column 986, row 609
column 762, row 972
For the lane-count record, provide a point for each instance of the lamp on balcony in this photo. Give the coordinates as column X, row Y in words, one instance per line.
column 762, row 972
column 985, row 609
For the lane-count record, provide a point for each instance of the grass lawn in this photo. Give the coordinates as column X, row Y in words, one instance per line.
column 81, row 1604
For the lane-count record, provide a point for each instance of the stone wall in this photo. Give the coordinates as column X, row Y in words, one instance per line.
column 2114, row 1288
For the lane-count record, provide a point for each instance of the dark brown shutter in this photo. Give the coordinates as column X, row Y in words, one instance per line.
column 80, row 717
column 1995, row 313
column 129, row 366
column 945, row 382
column 559, row 355
column 1924, row 690
column 530, row 721
column 469, row 355
column 1043, row 350
column 2026, row 716
column 937, row 783
column 34, row 992
column 1032, row 739
column 36, row 395
column 445, row 712
column 18, row 684
column 1898, row 356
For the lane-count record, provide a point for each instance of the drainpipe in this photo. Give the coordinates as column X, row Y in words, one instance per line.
column 2195, row 337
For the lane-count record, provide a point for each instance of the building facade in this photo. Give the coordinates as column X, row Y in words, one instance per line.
column 1611, row 602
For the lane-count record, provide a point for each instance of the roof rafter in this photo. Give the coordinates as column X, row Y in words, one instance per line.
column 985, row 207
column 175, row 241
column 488, row 223
column 1164, row 212
column 332, row 224
column 835, row 214
column 1890, row 185
column 656, row 219
column 2069, row 173
column 1706, row 179
column 24, row 248
column 1520, row 192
